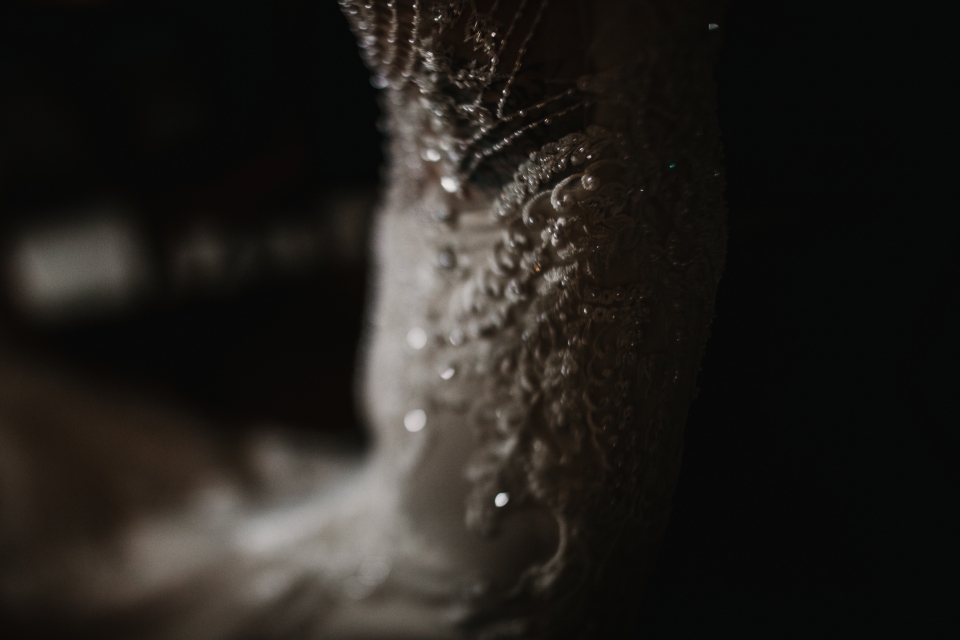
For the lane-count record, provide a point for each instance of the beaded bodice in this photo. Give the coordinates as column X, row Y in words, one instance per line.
column 550, row 242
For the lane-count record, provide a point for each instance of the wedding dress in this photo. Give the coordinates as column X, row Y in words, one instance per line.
column 547, row 253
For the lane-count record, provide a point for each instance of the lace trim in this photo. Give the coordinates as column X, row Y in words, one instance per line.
column 475, row 113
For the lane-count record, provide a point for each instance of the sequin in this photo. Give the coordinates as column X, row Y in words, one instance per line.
column 415, row 420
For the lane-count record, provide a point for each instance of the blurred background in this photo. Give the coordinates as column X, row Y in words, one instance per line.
column 185, row 192
column 185, row 188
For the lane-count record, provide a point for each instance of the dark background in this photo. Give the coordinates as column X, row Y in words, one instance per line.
column 818, row 494
column 234, row 112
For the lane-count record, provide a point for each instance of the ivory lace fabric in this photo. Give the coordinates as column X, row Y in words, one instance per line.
column 553, row 233
column 547, row 254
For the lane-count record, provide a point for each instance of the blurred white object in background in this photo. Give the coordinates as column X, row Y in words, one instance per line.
column 89, row 264
column 94, row 262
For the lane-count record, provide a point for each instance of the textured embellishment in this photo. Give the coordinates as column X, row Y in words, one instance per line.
column 577, row 322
